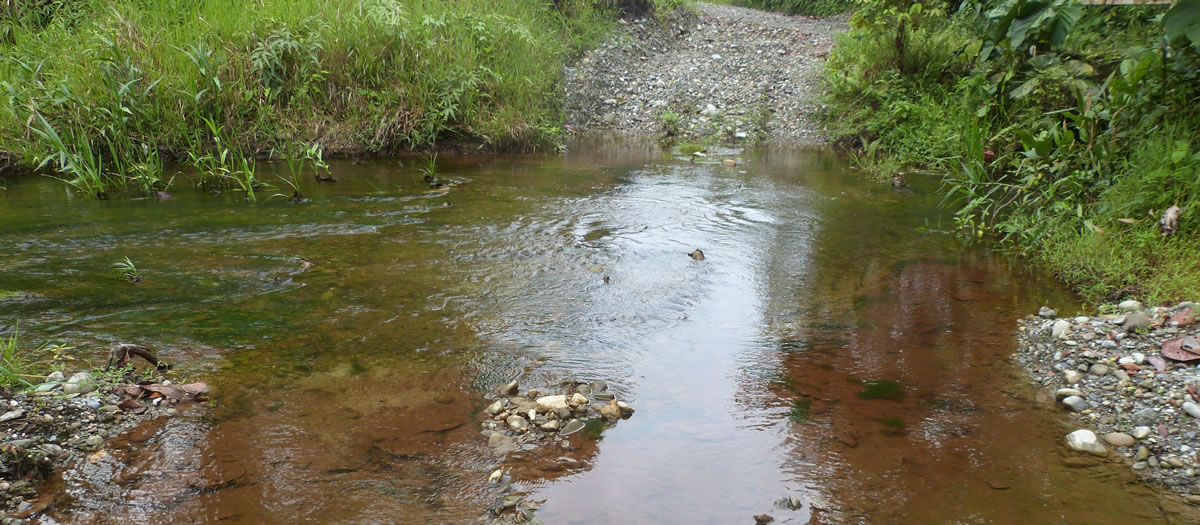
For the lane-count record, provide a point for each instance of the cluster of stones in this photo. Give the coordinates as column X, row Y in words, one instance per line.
column 1109, row 372
column 518, row 422
column 538, row 418
column 53, row 425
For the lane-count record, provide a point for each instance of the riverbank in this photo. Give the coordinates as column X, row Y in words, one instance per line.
column 61, row 422
column 1129, row 378
column 1066, row 142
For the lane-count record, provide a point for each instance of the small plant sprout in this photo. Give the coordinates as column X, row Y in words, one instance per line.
column 124, row 269
column 429, row 170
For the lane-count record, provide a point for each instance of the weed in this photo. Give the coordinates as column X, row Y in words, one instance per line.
column 124, row 269
column 800, row 410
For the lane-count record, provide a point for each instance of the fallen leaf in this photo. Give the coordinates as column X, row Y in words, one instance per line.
column 1158, row 363
column 1127, row 220
column 97, row 456
column 132, row 405
column 1191, row 390
column 1130, row 367
column 169, row 391
column 195, row 389
column 1182, row 348
column 1183, row 318
column 1094, row 227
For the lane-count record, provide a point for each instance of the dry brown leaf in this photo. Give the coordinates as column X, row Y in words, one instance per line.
column 1182, row 348
column 1127, row 220
column 1130, row 367
column 132, row 406
column 1158, row 363
column 1183, row 318
column 195, row 389
column 169, row 391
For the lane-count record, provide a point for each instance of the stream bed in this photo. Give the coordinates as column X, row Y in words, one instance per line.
column 837, row 345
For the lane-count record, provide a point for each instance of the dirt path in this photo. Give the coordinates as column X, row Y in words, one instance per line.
column 719, row 72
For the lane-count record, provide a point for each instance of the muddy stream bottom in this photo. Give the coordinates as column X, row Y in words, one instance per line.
column 836, row 346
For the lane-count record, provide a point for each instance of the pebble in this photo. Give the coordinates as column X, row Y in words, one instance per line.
column 1141, row 432
column 1136, row 322
column 1192, row 409
column 1047, row 312
column 517, row 423
column 1060, row 328
column 551, row 403
column 1118, row 439
column 1075, row 403
column 11, row 415
column 1098, row 369
column 1129, row 305
column 1072, row 377
column 509, row 389
column 1084, row 440
column 1064, row 393
column 80, row 383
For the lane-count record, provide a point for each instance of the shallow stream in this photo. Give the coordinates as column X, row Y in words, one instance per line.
column 837, row 344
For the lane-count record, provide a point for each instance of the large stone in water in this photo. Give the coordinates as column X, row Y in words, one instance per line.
column 1084, row 440
column 495, row 408
column 611, row 411
column 577, row 399
column 551, row 403
column 517, row 423
column 571, row 427
column 509, row 389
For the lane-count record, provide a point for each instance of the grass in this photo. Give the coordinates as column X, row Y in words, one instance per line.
column 798, row 7
column 103, row 93
column 22, row 367
column 124, row 269
column 1064, row 156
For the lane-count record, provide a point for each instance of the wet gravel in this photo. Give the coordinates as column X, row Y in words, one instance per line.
column 716, row 72
column 1131, row 400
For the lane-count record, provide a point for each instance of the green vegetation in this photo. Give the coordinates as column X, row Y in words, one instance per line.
column 1063, row 131
column 124, row 269
column 801, row 410
column 102, row 92
column 880, row 389
column 21, row 367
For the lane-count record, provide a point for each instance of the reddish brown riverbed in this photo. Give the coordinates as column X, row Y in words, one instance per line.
column 837, row 345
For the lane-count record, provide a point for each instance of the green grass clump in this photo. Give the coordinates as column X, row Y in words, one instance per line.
column 800, row 411
column 103, row 91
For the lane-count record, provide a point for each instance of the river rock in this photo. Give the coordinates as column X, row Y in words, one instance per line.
column 509, row 389
column 1064, row 393
column 1136, row 321
column 1060, row 328
column 1118, row 439
column 626, row 410
column 1047, row 313
column 571, row 427
column 517, row 423
column 1192, row 409
column 11, row 415
column 611, row 411
column 80, row 383
column 598, row 386
column 525, row 406
column 577, row 399
column 1098, row 369
column 495, row 408
column 549, row 403
column 1075, row 403
column 1129, row 306
column 603, row 396
column 1072, row 377
column 496, row 476
column 1084, row 440
column 1141, row 432
column 53, row 382
column 1145, row 417
column 549, row 426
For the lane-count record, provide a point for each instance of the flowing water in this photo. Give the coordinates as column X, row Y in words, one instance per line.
column 837, row 345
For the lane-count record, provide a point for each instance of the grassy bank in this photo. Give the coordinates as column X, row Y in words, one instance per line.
column 102, row 92
column 1063, row 131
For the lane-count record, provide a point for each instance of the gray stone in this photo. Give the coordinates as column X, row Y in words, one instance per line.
column 1075, row 403
column 1098, row 369
column 1141, row 432
column 80, row 383
column 1130, row 306
column 598, row 386
column 517, row 423
column 1192, row 409
column 1072, row 377
column 1140, row 465
column 577, row 399
column 710, row 111
column 1084, row 440
column 626, row 410
column 25, row 506
column 611, row 411
column 1064, row 393
column 94, row 441
column 53, row 382
column 1060, row 328
column 1145, row 417
column 1142, row 453
column 603, row 396
column 1047, row 312
column 549, row 426
column 1136, row 322
column 11, row 415
column 1121, row 375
